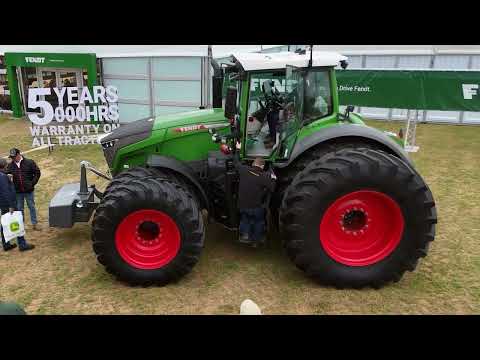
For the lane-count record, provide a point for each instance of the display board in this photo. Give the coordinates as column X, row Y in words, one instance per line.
column 410, row 89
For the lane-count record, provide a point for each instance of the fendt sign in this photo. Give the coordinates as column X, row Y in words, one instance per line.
column 34, row 60
column 469, row 90
column 441, row 90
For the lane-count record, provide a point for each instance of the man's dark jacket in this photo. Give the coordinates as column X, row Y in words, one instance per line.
column 254, row 186
column 26, row 177
column 7, row 192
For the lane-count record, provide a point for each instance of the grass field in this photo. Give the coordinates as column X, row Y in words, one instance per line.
column 62, row 276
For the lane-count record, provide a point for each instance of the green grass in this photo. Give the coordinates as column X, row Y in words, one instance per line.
column 62, row 276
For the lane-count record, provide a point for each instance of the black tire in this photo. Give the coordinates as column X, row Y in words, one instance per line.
column 140, row 172
column 137, row 172
column 126, row 197
column 321, row 183
column 285, row 176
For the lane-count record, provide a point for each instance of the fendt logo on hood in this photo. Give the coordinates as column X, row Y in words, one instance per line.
column 36, row 60
column 469, row 90
column 197, row 127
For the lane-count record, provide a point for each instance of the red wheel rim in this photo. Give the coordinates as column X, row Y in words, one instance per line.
column 147, row 239
column 361, row 228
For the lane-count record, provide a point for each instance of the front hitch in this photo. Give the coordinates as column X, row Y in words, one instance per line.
column 75, row 202
column 84, row 188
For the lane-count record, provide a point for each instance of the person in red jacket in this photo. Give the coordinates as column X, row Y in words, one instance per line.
column 8, row 204
column 25, row 176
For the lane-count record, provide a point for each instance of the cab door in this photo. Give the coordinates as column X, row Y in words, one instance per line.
column 292, row 114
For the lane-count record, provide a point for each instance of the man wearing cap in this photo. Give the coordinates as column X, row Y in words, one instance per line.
column 25, row 176
column 8, row 203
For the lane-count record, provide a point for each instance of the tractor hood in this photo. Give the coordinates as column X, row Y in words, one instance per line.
column 190, row 118
column 125, row 135
column 143, row 129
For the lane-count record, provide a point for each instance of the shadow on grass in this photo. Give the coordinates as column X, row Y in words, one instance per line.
column 223, row 256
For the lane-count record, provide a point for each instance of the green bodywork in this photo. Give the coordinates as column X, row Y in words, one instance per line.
column 194, row 145
column 166, row 141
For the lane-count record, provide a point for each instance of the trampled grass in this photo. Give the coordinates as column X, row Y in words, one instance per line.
column 62, row 276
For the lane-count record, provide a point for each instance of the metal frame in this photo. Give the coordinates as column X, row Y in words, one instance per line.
column 411, row 131
column 21, row 88
column 204, row 78
column 470, row 64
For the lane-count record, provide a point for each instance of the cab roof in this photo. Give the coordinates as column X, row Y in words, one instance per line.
column 265, row 61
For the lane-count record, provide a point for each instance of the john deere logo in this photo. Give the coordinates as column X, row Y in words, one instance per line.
column 35, row 60
column 14, row 226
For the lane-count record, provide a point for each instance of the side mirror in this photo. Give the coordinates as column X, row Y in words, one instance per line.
column 231, row 103
column 348, row 110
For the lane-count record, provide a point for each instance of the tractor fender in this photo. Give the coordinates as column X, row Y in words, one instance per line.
column 164, row 162
column 344, row 131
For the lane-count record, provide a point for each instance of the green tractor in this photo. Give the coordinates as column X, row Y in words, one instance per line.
column 350, row 208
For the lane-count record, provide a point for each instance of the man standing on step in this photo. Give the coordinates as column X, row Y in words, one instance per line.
column 8, row 203
column 255, row 184
column 25, row 176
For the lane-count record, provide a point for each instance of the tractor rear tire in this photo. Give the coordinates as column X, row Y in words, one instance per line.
column 357, row 218
column 148, row 231
column 286, row 175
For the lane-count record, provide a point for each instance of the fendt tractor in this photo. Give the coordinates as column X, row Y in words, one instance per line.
column 349, row 206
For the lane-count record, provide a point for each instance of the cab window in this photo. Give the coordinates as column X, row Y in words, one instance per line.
column 266, row 97
column 317, row 95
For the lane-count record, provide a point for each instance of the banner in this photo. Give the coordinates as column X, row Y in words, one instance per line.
column 72, row 115
column 410, row 89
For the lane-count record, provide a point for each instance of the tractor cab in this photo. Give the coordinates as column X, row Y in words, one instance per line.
column 279, row 94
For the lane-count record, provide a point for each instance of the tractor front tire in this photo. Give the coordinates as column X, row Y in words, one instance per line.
column 357, row 218
column 148, row 231
column 139, row 172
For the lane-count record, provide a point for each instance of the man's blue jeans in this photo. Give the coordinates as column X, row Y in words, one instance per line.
column 29, row 197
column 22, row 243
column 252, row 222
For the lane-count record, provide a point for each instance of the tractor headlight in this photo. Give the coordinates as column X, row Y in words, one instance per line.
column 109, row 150
column 109, row 144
